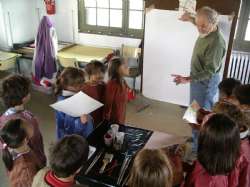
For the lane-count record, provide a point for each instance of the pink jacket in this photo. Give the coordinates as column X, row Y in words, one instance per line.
column 36, row 141
column 239, row 177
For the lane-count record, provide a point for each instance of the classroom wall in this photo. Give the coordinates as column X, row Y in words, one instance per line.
column 66, row 24
column 18, row 18
column 3, row 41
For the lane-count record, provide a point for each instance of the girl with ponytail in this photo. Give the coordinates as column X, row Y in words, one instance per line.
column 19, row 159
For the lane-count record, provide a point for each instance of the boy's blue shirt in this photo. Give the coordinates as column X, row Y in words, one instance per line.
column 67, row 125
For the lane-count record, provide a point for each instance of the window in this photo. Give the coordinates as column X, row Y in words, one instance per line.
column 112, row 17
column 242, row 37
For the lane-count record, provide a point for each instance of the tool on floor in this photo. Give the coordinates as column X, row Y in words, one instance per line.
column 94, row 162
column 106, row 160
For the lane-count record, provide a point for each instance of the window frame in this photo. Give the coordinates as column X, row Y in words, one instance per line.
column 240, row 44
column 124, row 31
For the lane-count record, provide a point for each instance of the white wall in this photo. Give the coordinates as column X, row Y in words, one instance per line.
column 3, row 39
column 66, row 24
column 17, row 19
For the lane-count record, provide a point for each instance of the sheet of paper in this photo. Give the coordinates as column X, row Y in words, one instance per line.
column 77, row 105
column 187, row 6
column 160, row 140
column 191, row 113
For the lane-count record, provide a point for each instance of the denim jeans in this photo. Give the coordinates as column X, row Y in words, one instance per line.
column 206, row 94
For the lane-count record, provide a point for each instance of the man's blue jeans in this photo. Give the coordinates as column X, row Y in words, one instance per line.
column 206, row 94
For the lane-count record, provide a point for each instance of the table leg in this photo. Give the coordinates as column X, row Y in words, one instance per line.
column 18, row 68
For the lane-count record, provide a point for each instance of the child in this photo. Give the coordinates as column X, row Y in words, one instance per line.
column 15, row 95
column 242, row 94
column 69, row 83
column 67, row 157
column 235, row 114
column 151, row 168
column 19, row 159
column 220, row 162
column 116, row 92
column 95, row 87
column 226, row 88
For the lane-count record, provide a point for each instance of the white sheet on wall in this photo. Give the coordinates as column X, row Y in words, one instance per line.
column 168, row 47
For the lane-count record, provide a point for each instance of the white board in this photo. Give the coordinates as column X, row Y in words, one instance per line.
column 168, row 48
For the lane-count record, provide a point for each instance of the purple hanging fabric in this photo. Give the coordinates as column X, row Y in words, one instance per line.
column 45, row 62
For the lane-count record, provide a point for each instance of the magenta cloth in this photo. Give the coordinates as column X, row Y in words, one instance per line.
column 45, row 62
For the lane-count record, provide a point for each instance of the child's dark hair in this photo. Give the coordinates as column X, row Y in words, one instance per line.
column 68, row 155
column 219, row 145
column 69, row 77
column 242, row 94
column 94, row 67
column 233, row 112
column 12, row 136
column 14, row 89
column 113, row 70
column 228, row 85
column 151, row 168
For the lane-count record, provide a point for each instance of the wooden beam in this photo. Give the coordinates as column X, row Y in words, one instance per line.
column 231, row 40
column 225, row 7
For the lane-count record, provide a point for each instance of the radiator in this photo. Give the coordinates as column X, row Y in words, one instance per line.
column 239, row 67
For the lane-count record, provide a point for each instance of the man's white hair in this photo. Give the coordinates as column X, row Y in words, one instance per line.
column 211, row 14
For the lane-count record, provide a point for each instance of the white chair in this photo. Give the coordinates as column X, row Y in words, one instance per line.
column 132, row 54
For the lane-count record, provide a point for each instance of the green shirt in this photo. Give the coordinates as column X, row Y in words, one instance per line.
column 207, row 56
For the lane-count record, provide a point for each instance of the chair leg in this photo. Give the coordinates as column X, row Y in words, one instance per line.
column 134, row 82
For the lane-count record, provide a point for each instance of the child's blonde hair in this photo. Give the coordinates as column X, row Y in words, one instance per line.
column 151, row 168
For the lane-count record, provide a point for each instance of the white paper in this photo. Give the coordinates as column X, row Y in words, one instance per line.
column 168, row 49
column 191, row 113
column 187, row 6
column 160, row 140
column 77, row 105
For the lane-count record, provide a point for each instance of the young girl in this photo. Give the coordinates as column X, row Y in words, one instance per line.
column 20, row 160
column 15, row 95
column 151, row 168
column 235, row 114
column 95, row 87
column 220, row 162
column 116, row 92
column 242, row 94
column 69, row 83
column 226, row 88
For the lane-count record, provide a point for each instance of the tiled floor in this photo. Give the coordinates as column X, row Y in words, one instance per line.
column 158, row 116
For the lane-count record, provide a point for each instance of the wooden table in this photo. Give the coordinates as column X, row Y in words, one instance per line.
column 85, row 53
column 28, row 52
column 9, row 61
